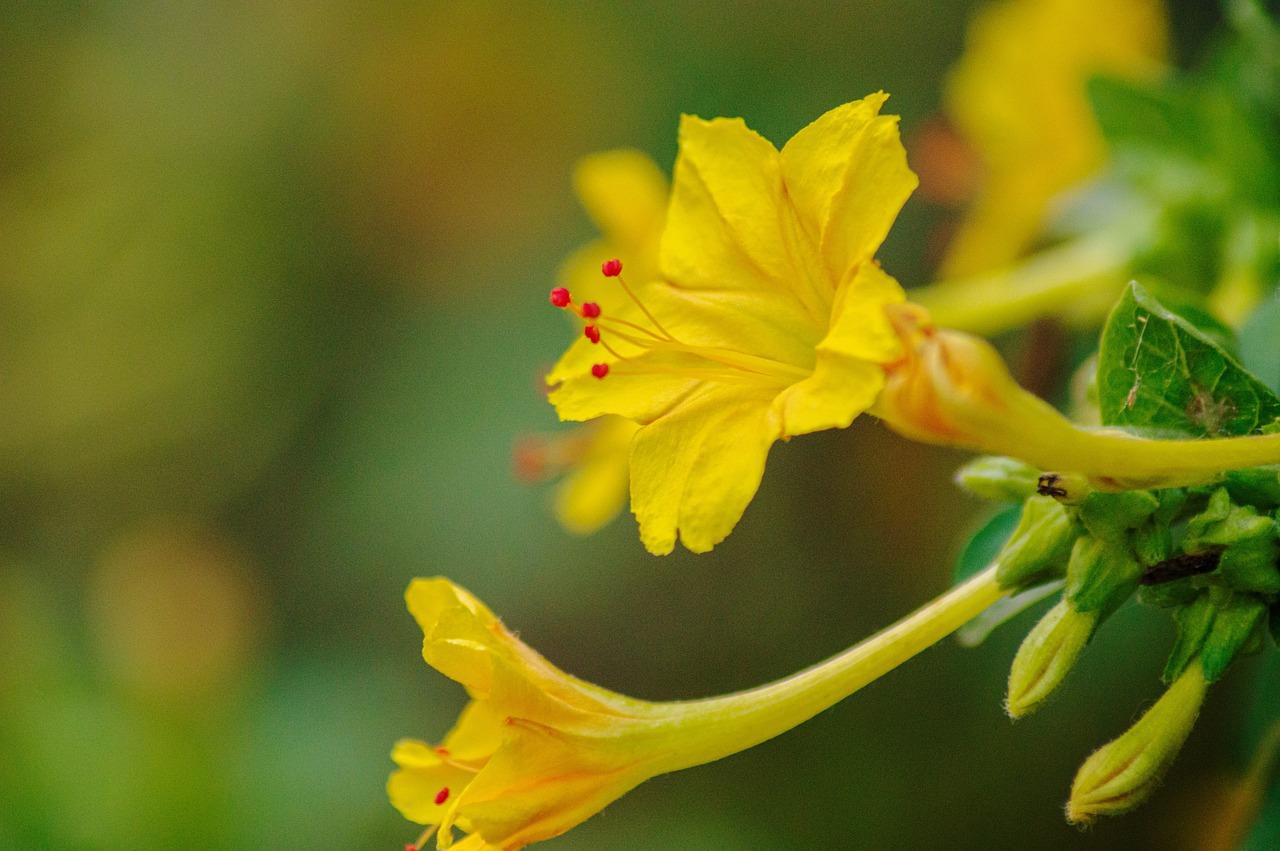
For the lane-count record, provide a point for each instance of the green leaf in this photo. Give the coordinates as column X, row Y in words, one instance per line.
column 1158, row 372
column 985, row 543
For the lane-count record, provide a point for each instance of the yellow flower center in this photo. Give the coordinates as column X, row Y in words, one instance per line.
column 713, row 363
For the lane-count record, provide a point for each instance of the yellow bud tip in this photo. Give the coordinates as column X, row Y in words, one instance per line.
column 1124, row 772
column 1046, row 656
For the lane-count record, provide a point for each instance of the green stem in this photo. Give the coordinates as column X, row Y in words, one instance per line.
column 1079, row 279
column 725, row 725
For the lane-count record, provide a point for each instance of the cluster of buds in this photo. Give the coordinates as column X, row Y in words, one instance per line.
column 1210, row 555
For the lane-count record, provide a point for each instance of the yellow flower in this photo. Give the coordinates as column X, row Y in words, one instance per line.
column 764, row 320
column 1018, row 96
column 537, row 751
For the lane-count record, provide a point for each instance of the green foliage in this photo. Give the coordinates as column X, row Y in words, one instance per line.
column 985, row 544
column 1157, row 371
column 1194, row 159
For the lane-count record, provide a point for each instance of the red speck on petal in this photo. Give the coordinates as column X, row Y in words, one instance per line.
column 592, row 333
column 611, row 268
column 442, row 796
column 560, row 297
column 600, row 370
column 591, row 310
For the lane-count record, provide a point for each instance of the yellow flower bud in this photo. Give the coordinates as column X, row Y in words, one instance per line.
column 1122, row 773
column 1046, row 656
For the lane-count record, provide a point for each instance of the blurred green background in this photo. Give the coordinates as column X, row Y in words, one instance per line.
column 272, row 312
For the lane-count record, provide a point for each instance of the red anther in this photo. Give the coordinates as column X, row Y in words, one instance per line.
column 611, row 268
column 600, row 370
column 560, row 297
column 591, row 310
column 442, row 796
column 409, row 846
column 592, row 333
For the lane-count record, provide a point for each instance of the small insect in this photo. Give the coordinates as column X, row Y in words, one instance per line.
column 1132, row 398
column 1048, row 485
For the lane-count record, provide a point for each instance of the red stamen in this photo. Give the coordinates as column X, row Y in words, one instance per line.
column 442, row 796
column 592, row 333
column 591, row 310
column 600, row 370
column 409, row 846
column 560, row 297
column 611, row 268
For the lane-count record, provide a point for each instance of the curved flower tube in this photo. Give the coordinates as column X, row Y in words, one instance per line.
column 1017, row 95
column 537, row 751
column 954, row 389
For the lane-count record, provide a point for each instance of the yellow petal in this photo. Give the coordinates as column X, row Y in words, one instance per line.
column 477, row 733
column 463, row 640
column 542, row 782
column 694, row 471
column 729, row 225
column 848, row 178
column 643, row 389
column 625, row 193
column 597, row 489
column 414, row 787
column 848, row 376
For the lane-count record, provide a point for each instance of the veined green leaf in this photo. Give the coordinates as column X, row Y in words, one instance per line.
column 1158, row 372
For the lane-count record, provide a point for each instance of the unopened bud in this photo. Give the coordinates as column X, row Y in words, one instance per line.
column 1040, row 545
column 1237, row 626
column 1101, row 575
column 1046, row 656
column 1112, row 515
column 1223, row 523
column 1122, row 773
column 998, row 478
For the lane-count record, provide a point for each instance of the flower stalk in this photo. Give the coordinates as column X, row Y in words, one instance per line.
column 954, row 389
column 1077, row 281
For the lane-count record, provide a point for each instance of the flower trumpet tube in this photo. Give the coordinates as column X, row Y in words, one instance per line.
column 954, row 389
column 537, row 751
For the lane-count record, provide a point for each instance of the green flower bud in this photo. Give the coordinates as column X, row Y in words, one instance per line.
column 1122, row 773
column 1194, row 621
column 1101, row 575
column 1223, row 523
column 1252, row 565
column 1039, row 546
column 1046, row 656
column 1112, row 515
column 998, row 478
column 1237, row 626
column 1152, row 543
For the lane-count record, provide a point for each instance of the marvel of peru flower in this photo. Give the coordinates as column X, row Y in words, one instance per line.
column 537, row 751
column 768, row 317
column 763, row 320
column 1018, row 97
